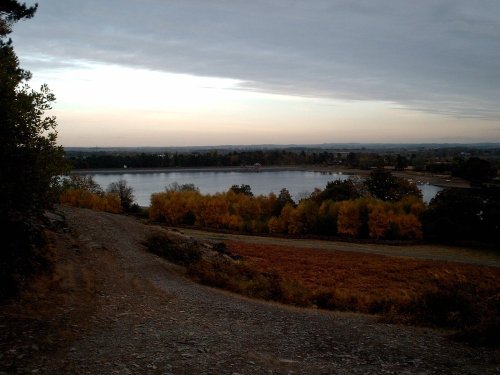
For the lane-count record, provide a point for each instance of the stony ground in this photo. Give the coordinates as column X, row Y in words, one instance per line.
column 113, row 308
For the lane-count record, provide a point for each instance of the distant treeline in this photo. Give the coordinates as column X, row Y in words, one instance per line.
column 200, row 159
column 461, row 164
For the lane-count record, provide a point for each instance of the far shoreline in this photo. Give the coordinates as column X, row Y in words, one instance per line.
column 445, row 181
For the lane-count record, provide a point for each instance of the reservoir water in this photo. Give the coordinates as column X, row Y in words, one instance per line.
column 299, row 183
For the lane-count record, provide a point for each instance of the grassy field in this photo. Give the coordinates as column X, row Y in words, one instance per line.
column 364, row 277
column 421, row 251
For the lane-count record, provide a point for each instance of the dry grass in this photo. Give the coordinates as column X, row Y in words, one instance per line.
column 445, row 294
column 366, row 276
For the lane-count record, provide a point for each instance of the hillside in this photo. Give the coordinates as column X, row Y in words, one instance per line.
column 111, row 307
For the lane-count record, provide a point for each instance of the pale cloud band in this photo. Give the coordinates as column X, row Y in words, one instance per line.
column 437, row 57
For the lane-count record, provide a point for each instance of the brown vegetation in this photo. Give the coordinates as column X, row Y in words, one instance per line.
column 444, row 294
column 107, row 202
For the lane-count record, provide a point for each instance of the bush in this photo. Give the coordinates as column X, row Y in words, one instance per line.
column 463, row 216
column 179, row 253
column 240, row 278
column 86, row 199
column 461, row 306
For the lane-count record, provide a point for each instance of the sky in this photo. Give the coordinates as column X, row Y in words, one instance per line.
column 220, row 72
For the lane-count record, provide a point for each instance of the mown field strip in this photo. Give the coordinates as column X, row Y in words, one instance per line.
column 431, row 252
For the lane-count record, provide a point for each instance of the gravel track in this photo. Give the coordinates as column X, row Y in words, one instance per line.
column 139, row 314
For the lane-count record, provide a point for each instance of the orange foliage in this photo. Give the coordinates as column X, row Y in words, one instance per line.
column 222, row 211
column 276, row 225
column 379, row 220
column 173, row 206
column 361, row 281
column 349, row 220
column 85, row 199
column 240, row 212
column 400, row 218
column 303, row 218
column 213, row 211
column 409, row 227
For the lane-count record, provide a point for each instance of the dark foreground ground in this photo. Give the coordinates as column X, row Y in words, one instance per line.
column 113, row 308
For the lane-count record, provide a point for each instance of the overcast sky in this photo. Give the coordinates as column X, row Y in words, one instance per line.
column 186, row 72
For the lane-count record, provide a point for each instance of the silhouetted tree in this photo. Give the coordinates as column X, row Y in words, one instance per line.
column 339, row 191
column 453, row 215
column 124, row 192
column 383, row 185
column 30, row 160
column 283, row 199
column 474, row 170
column 12, row 11
column 82, row 182
column 242, row 189
column 457, row 215
column 401, row 163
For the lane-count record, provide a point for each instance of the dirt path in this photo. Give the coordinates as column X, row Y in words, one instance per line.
column 432, row 252
column 116, row 309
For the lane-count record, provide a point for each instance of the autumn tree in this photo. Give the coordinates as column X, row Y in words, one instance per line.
column 303, row 218
column 327, row 217
column 283, row 199
column 349, row 218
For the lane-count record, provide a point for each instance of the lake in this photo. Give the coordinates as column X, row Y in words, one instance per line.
column 298, row 183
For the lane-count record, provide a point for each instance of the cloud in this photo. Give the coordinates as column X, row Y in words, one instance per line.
column 440, row 57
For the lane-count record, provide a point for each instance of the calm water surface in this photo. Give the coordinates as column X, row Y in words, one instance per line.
column 299, row 183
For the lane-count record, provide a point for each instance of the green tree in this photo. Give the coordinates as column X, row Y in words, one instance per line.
column 383, row 185
column 30, row 160
column 339, row 191
column 458, row 215
column 475, row 170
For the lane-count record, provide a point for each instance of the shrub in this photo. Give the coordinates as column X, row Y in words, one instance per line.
column 124, row 192
column 349, row 221
column 241, row 278
column 473, row 313
column 179, row 253
column 86, row 199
